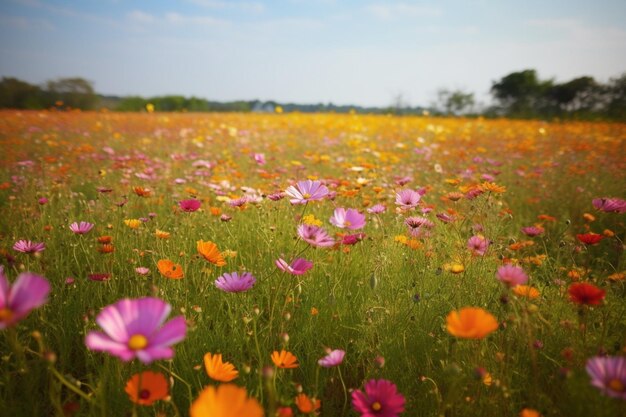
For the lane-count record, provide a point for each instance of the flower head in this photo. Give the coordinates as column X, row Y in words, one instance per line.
column 610, row 205
column 134, row 328
column 298, row 266
column 408, row 198
column 377, row 209
column 471, row 323
column 306, row 191
column 380, row 399
column 305, row 404
column 590, row 238
column 147, row 388
column 315, row 236
column 284, row 359
column 478, row 245
column 170, row 269
column 219, row 370
column 533, row 231
column 526, row 291
column 227, row 400
column 28, row 292
column 350, row 218
column 209, row 251
column 233, row 282
column 609, row 375
column 81, row 228
column 585, row 294
column 26, row 246
column 190, row 205
column 334, row 358
column 512, row 275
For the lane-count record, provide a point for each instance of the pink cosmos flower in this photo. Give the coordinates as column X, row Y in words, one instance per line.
column 407, row 199
column 81, row 228
column 352, row 239
column 298, row 266
column 276, row 196
column 478, row 245
column 350, row 218
column 315, row 236
column 377, row 209
column 610, row 205
column 532, row 231
column 608, row 374
column 133, row 328
column 306, row 191
column 334, row 358
column 42, row 201
column 190, row 205
column 142, row 270
column 233, row 282
column 512, row 275
column 28, row 292
column 26, row 246
column 445, row 217
column 381, row 399
column 259, row 158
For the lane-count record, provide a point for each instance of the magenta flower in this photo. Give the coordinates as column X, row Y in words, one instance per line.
column 407, row 199
column 334, row 358
column 259, row 158
column 381, row 399
column 133, row 328
column 28, row 292
column 445, row 217
column 190, row 205
column 350, row 218
column 298, row 266
column 315, row 236
column 42, row 201
column 532, row 231
column 512, row 275
column 233, row 282
column 276, row 196
column 610, row 205
column 306, row 191
column 377, row 209
column 478, row 245
column 609, row 375
column 81, row 228
column 26, row 246
column 352, row 239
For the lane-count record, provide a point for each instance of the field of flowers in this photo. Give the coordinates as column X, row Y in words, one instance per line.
column 288, row 265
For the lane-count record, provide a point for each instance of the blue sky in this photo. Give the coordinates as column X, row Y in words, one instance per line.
column 309, row 51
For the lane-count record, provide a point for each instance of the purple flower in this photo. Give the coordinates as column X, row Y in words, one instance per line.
column 415, row 222
column 238, row 202
column 532, row 231
column 408, row 198
column 352, row 239
column 334, row 358
column 610, row 205
column 259, row 158
column 190, row 205
column 445, row 217
column 134, row 328
column 350, row 218
column 26, row 246
column 381, row 399
column 298, row 266
column 81, row 228
column 276, row 196
column 377, row 209
column 234, row 283
column 478, row 245
column 609, row 375
column 28, row 292
column 306, row 191
column 512, row 275
column 315, row 236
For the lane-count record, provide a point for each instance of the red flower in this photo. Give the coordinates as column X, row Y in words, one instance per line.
column 585, row 294
column 590, row 238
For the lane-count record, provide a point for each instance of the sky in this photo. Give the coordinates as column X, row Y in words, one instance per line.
column 365, row 52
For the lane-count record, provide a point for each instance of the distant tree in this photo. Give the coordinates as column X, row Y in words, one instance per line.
column 73, row 92
column 521, row 93
column 616, row 98
column 579, row 94
column 454, row 102
column 18, row 94
column 132, row 103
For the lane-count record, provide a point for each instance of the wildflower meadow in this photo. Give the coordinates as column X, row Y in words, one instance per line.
column 221, row 265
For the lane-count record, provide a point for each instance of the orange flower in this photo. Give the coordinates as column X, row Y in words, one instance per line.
column 105, row 239
column 471, row 323
column 147, row 387
column 284, row 359
column 209, row 251
column 142, row 192
column 218, row 370
column 493, row 187
column 161, row 234
column 226, row 400
column 529, row 412
column 307, row 405
column 526, row 291
column 106, row 248
column 169, row 269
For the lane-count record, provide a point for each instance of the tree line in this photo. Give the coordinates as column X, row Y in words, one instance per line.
column 519, row 94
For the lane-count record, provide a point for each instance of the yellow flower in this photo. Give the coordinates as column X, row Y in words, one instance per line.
column 311, row 220
column 227, row 400
column 133, row 223
column 218, row 370
column 526, row 291
column 161, row 234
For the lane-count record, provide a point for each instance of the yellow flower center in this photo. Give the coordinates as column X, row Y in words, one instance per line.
column 306, row 195
column 616, row 385
column 347, row 223
column 376, row 406
column 5, row 315
column 137, row 342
